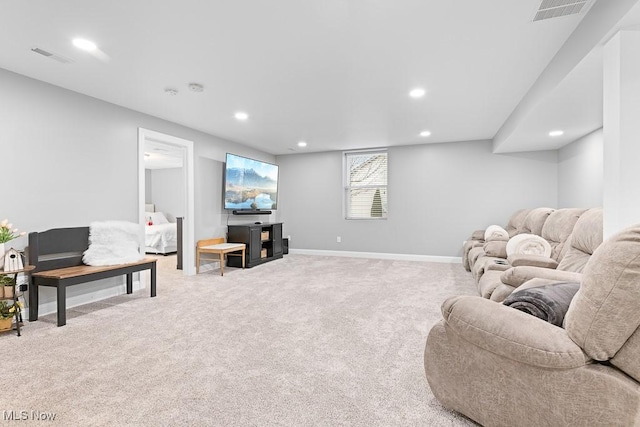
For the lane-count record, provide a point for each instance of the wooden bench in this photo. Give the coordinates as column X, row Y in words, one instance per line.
column 219, row 247
column 57, row 257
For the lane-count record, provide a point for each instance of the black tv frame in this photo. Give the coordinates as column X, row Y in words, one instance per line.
column 224, row 189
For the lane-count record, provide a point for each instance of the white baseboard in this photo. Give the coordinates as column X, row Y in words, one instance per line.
column 378, row 255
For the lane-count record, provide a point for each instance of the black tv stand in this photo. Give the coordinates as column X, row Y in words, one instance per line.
column 251, row 212
column 264, row 243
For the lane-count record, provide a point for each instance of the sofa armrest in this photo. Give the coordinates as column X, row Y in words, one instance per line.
column 516, row 276
column 512, row 333
column 537, row 282
column 496, row 265
column 496, row 248
column 532, row 260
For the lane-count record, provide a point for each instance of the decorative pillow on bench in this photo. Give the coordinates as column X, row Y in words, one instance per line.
column 549, row 303
column 113, row 243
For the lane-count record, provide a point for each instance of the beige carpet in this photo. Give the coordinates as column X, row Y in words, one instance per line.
column 302, row 341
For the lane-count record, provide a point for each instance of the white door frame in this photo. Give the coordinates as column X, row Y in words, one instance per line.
column 188, row 241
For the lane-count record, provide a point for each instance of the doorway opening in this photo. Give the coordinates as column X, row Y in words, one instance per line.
column 176, row 149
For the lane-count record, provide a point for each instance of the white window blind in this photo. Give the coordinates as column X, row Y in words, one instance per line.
column 366, row 185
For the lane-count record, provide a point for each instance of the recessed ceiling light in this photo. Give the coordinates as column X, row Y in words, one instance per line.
column 302, row 144
column 196, row 87
column 556, row 133
column 241, row 115
column 425, row 133
column 417, row 92
column 85, row 44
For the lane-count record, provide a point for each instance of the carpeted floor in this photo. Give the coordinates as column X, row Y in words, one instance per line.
column 302, row 341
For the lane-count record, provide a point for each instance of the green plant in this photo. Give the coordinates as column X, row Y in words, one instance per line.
column 7, row 233
column 6, row 281
column 8, row 309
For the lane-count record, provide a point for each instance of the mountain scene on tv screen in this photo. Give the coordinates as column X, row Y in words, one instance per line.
column 247, row 189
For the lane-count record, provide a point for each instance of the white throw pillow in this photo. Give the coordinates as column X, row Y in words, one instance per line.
column 158, row 218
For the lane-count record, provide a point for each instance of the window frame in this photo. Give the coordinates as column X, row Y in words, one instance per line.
column 347, row 187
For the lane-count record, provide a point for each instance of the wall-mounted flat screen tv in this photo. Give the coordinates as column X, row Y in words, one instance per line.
column 250, row 184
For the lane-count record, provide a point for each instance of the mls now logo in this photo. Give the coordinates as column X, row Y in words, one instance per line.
column 28, row 415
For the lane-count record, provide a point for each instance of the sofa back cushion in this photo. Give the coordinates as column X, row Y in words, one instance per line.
column 535, row 220
column 585, row 239
column 558, row 227
column 606, row 310
column 516, row 222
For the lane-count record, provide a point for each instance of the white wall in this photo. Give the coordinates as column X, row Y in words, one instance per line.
column 438, row 194
column 621, row 76
column 168, row 193
column 580, row 172
column 75, row 160
column 208, row 198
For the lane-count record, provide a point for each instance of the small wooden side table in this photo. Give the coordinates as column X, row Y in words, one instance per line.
column 221, row 249
column 27, row 269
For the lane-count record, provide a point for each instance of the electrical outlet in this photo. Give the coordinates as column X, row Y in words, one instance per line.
column 339, row 239
column 289, row 237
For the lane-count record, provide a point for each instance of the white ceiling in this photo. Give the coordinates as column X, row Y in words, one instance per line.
column 162, row 156
column 334, row 73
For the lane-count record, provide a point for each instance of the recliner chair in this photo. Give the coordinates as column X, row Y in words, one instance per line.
column 503, row 367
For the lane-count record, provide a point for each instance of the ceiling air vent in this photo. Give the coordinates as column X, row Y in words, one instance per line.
column 555, row 8
column 51, row 55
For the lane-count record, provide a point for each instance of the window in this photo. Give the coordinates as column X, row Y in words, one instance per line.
column 366, row 185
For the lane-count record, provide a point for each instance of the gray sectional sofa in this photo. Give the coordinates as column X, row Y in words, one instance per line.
column 494, row 269
column 566, row 230
column 480, row 258
column 504, row 367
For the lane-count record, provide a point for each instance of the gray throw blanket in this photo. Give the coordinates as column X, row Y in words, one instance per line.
column 549, row 303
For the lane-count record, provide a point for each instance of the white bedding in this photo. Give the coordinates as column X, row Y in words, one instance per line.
column 161, row 238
